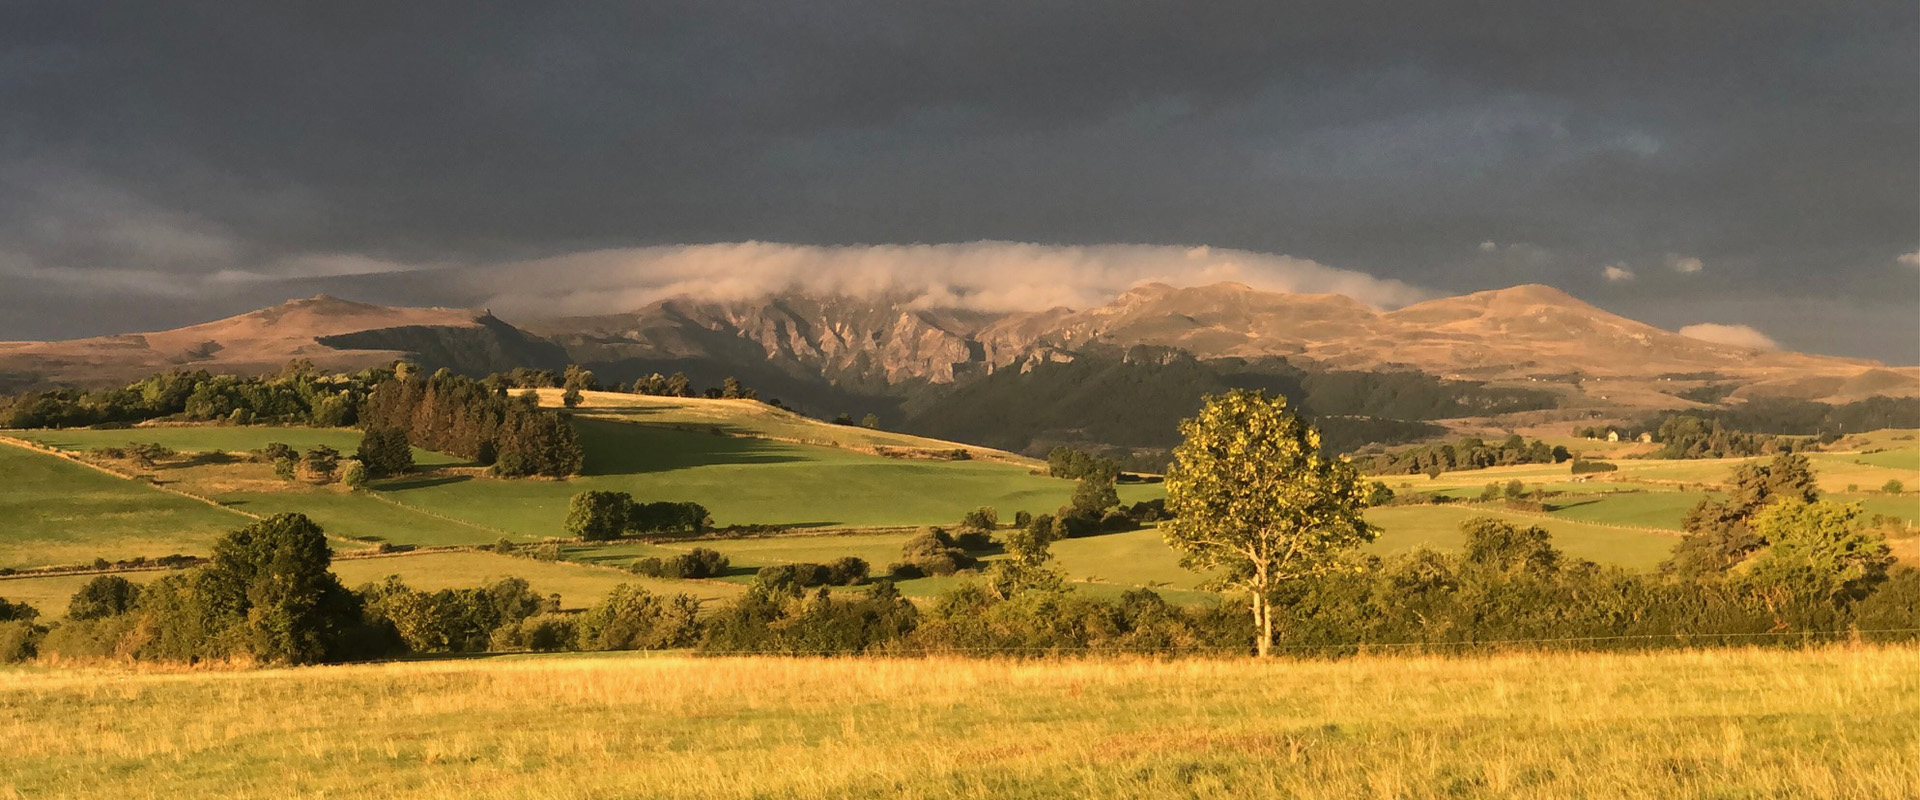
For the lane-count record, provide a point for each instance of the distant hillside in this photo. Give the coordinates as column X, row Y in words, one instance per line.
column 1001, row 378
column 256, row 342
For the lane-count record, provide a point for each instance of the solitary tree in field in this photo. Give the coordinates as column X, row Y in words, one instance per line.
column 1252, row 496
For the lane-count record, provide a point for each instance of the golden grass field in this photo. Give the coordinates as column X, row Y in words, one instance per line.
column 1836, row 722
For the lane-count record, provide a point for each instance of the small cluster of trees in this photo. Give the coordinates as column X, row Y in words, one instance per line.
column 297, row 394
column 1066, row 462
column 596, row 515
column 847, row 571
column 937, row 552
column 319, row 464
column 267, row 596
column 700, row 562
column 144, row 454
column 1687, row 436
column 468, row 418
column 1720, row 531
column 1468, row 453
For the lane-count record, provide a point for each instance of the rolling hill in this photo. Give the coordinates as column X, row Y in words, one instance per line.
column 1466, row 356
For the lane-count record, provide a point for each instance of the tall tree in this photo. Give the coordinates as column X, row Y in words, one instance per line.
column 1253, row 497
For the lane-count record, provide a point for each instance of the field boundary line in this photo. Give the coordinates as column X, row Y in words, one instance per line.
column 375, row 494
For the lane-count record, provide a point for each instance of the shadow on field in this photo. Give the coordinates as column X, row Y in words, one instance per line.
column 625, row 448
column 204, row 459
column 422, row 482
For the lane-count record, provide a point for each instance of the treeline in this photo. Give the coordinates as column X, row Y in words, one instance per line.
column 577, row 379
column 596, row 515
column 473, row 419
column 1468, row 453
column 266, row 596
column 298, row 394
column 1780, row 416
column 1688, row 436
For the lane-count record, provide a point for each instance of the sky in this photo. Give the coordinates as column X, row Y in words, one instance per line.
column 1735, row 167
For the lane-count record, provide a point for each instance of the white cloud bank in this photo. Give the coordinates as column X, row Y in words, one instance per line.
column 1617, row 273
column 1685, row 265
column 1732, row 335
column 1911, row 259
column 987, row 276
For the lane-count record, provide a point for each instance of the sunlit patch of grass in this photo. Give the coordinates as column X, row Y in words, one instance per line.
column 1839, row 722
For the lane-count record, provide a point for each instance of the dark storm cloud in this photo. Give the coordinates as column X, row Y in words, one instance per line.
column 164, row 161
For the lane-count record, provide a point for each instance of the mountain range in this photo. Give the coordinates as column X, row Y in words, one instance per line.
column 897, row 357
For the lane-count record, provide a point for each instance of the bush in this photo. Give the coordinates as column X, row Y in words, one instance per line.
column 22, row 612
column 545, row 633
column 699, row 562
column 974, row 540
column 984, row 518
column 107, row 637
column 19, row 641
column 1893, row 486
column 1582, row 466
column 935, row 552
column 356, row 476
column 104, row 596
column 847, row 571
column 321, row 463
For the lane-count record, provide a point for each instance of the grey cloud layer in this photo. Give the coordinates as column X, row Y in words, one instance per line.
column 143, row 142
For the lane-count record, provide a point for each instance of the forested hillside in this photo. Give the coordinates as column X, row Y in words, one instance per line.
column 1133, row 399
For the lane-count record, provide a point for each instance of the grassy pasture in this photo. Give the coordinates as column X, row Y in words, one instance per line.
column 1833, row 722
column 754, row 418
column 1407, row 527
column 578, row 585
column 53, row 511
column 1105, row 564
column 746, row 480
column 1665, row 510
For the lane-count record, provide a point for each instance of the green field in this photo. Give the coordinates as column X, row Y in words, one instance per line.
column 55, row 512
column 578, row 585
column 757, row 472
column 1836, row 722
column 1438, row 527
column 756, row 419
column 746, row 481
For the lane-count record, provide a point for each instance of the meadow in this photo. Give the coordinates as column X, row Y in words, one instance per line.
column 1834, row 722
column 746, row 480
column 53, row 511
column 768, row 466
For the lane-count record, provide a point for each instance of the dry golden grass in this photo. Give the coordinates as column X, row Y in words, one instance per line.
column 1826, row 723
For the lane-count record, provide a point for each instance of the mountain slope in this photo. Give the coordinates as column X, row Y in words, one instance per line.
column 254, row 342
column 831, row 354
